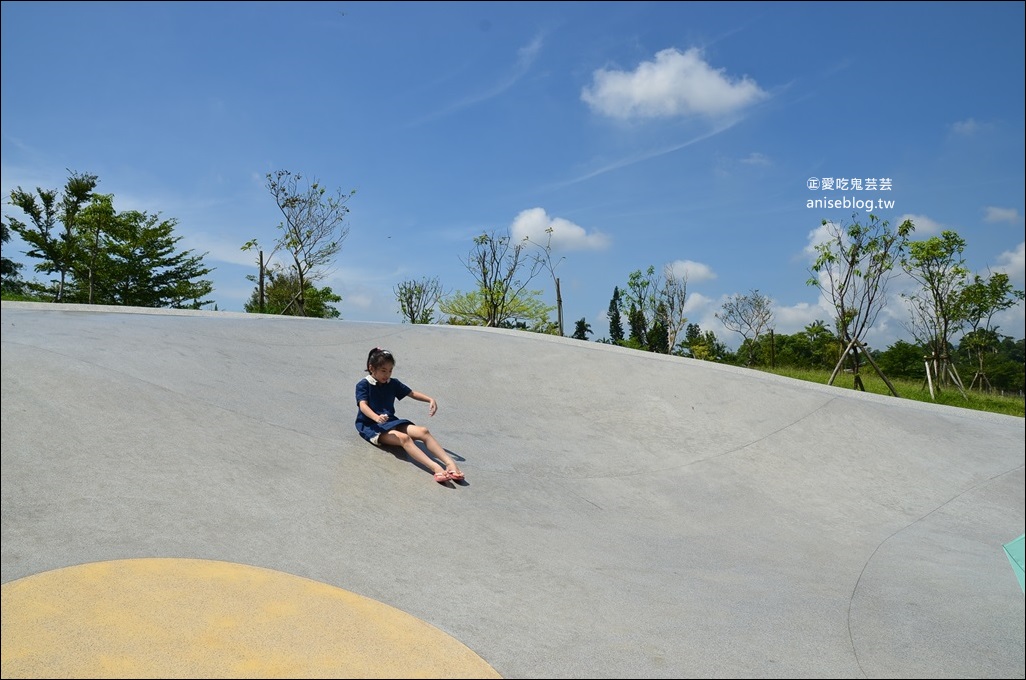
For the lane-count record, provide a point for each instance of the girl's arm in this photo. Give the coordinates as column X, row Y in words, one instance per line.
column 419, row 396
column 369, row 412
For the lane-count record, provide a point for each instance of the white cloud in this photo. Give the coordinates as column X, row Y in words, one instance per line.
column 694, row 272
column 696, row 303
column 1011, row 262
column 818, row 236
column 994, row 214
column 924, row 225
column 794, row 318
column 675, row 84
column 534, row 223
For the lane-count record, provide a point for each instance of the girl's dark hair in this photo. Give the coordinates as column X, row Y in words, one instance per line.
column 379, row 357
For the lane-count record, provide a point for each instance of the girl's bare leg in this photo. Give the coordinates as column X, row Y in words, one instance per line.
column 423, row 434
column 410, row 447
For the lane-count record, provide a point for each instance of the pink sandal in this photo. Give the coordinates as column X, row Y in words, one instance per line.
column 455, row 475
column 442, row 477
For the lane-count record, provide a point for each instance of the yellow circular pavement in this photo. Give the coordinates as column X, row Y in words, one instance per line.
column 182, row 618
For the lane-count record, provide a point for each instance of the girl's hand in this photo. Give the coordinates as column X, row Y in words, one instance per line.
column 382, row 417
column 432, row 406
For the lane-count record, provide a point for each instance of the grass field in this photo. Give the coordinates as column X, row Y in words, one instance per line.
column 1012, row 405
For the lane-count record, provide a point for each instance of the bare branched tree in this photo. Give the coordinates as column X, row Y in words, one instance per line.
column 313, row 229
column 417, row 299
column 748, row 315
column 544, row 258
column 674, row 294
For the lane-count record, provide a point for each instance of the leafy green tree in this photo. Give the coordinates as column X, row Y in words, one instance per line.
column 312, row 231
column 56, row 249
column 642, row 294
column 937, row 309
column 1005, row 367
column 141, row 267
column 701, row 345
column 902, row 360
column 105, row 257
column 282, row 291
column 657, row 339
column 981, row 300
column 503, row 272
column 615, row 322
column 97, row 222
column 852, row 268
column 582, row 329
column 11, row 282
column 638, row 328
column 824, row 345
column 526, row 311
column 417, row 299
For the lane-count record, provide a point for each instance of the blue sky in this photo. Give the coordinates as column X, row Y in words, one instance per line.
column 645, row 134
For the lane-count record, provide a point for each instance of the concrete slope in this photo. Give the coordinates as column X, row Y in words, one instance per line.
column 625, row 514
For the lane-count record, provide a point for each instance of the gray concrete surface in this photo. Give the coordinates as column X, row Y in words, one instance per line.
column 625, row 514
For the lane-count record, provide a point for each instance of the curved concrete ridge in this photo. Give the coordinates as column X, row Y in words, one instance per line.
column 148, row 618
column 625, row 514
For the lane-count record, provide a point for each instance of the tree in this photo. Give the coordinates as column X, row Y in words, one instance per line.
column 643, row 293
column 674, row 295
column 656, row 305
column 282, row 291
column 105, row 257
column 497, row 266
column 637, row 328
column 582, row 329
column 142, row 269
column 57, row 251
column 824, row 345
column 96, row 223
column 526, row 311
column 615, row 322
column 658, row 337
column 417, row 299
column 901, row 360
column 313, row 230
column 852, row 268
column 981, row 300
column 544, row 258
column 10, row 271
column 748, row 315
column 699, row 345
column 937, row 309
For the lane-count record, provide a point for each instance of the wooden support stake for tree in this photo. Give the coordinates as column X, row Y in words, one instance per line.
column 840, row 361
column 878, row 371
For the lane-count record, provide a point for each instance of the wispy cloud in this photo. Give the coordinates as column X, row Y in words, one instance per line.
column 994, row 214
column 646, row 155
column 756, row 158
column 526, row 56
column 968, row 127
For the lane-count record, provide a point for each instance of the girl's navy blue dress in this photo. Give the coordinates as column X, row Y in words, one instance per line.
column 381, row 397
